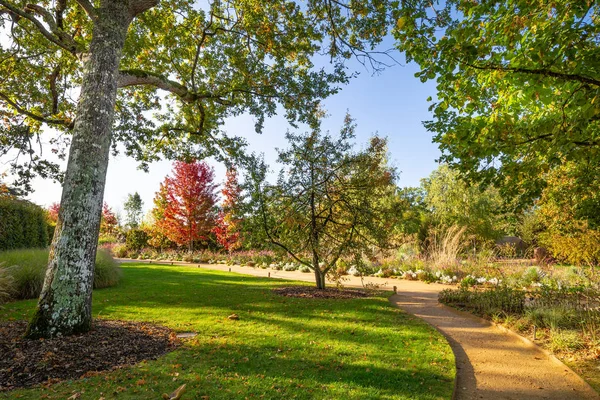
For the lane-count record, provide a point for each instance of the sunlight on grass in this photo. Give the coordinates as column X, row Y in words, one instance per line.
column 279, row 348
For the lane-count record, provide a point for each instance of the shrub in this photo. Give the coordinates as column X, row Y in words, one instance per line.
column 136, row 239
column 107, row 272
column 446, row 245
column 27, row 269
column 120, row 251
column 22, row 224
column 7, row 283
column 486, row 302
column 107, row 239
column 304, row 268
column 552, row 317
column 565, row 341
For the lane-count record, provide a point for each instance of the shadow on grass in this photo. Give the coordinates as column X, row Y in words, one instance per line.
column 280, row 347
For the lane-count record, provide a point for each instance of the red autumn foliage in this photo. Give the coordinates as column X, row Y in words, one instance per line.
column 227, row 228
column 53, row 212
column 189, row 213
column 109, row 222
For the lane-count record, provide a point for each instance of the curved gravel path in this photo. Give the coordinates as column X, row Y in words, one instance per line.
column 491, row 363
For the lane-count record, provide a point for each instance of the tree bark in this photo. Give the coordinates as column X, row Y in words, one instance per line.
column 319, row 278
column 65, row 304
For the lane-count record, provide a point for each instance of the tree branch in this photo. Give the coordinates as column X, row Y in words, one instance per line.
column 137, row 7
column 539, row 71
column 89, row 9
column 136, row 77
column 56, row 36
column 36, row 117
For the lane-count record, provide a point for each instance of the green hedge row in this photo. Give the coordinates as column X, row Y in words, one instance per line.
column 22, row 224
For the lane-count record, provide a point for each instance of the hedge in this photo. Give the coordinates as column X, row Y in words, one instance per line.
column 22, row 224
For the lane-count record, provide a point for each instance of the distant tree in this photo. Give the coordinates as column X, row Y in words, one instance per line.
column 189, row 215
column 53, row 212
column 227, row 229
column 569, row 216
column 415, row 217
column 328, row 202
column 109, row 222
column 133, row 209
column 518, row 85
column 452, row 201
column 156, row 229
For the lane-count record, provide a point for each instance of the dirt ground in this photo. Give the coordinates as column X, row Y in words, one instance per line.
column 109, row 345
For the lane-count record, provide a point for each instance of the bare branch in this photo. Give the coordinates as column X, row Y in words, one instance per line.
column 143, row 78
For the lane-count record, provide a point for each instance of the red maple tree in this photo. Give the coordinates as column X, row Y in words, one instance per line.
column 189, row 215
column 227, row 228
column 53, row 213
column 109, row 221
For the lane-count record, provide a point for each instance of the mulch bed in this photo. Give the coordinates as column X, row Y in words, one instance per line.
column 314, row 293
column 109, row 345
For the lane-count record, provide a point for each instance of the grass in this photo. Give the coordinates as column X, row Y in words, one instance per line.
column 22, row 272
column 279, row 348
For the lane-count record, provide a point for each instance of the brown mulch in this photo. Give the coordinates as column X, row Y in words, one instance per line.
column 314, row 293
column 109, row 345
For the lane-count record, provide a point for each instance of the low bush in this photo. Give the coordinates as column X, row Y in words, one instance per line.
column 6, row 284
column 304, row 268
column 136, row 239
column 563, row 341
column 486, row 302
column 22, row 224
column 107, row 272
column 22, row 272
column 120, row 251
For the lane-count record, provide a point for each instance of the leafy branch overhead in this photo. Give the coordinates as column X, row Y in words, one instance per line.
column 518, row 85
column 185, row 68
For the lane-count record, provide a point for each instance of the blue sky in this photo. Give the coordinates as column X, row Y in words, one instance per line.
column 392, row 103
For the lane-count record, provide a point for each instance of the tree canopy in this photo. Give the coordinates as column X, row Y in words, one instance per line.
column 451, row 201
column 518, row 85
column 329, row 201
column 189, row 214
column 185, row 67
column 133, row 209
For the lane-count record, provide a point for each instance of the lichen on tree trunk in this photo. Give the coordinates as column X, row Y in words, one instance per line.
column 65, row 304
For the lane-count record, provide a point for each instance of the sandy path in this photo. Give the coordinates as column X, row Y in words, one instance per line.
column 491, row 363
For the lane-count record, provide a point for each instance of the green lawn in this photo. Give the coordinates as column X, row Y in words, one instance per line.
column 281, row 348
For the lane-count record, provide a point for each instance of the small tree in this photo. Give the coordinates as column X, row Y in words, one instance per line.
column 109, row 222
column 189, row 215
column 157, row 236
column 53, row 213
column 227, row 229
column 133, row 209
column 329, row 202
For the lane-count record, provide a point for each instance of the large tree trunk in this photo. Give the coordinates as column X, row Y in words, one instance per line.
column 65, row 304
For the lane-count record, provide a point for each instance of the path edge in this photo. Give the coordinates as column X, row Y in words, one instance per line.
column 455, row 389
column 526, row 341
column 548, row 354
